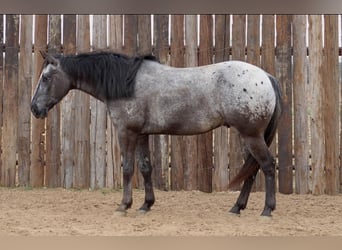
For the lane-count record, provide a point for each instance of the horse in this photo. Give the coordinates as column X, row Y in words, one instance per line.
column 144, row 97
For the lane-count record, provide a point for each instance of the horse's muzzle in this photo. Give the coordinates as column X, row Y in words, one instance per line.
column 39, row 113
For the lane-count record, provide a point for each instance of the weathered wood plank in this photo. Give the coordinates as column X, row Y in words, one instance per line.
column 10, row 103
column 144, row 47
column 53, row 139
column 161, row 142
column 1, row 89
column 284, row 75
column 205, row 141
column 37, row 170
column 114, row 170
column 268, row 55
column 130, row 34
column 221, row 146
column 253, row 57
column 300, row 99
column 82, row 114
column 131, row 48
column 177, row 142
column 98, row 113
column 191, row 145
column 68, row 109
column 316, row 103
column 331, row 103
column 24, row 96
column 238, row 53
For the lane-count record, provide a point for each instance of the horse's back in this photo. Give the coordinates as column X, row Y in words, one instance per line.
column 197, row 99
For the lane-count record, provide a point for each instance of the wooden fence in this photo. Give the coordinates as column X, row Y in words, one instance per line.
column 76, row 146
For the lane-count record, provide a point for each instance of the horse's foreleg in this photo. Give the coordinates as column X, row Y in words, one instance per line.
column 143, row 155
column 258, row 148
column 127, row 142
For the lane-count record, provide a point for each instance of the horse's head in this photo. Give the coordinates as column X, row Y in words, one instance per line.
column 53, row 85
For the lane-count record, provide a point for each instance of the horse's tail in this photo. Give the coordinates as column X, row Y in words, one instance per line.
column 250, row 166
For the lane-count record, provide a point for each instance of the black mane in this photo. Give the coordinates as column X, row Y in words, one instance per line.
column 114, row 74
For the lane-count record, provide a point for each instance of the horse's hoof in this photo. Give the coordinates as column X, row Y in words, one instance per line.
column 267, row 213
column 120, row 213
column 143, row 211
column 235, row 211
column 234, row 214
column 121, row 210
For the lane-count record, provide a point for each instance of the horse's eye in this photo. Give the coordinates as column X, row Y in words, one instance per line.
column 45, row 78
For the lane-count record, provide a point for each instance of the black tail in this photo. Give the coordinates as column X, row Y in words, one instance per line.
column 251, row 166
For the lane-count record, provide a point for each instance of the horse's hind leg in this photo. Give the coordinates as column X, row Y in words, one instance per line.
column 259, row 150
column 143, row 156
column 242, row 200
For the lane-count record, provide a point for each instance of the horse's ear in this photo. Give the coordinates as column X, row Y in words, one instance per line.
column 43, row 54
column 52, row 60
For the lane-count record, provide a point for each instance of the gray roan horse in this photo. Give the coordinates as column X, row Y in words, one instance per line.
column 145, row 97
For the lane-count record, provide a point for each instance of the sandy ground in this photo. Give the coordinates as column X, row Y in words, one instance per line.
column 51, row 212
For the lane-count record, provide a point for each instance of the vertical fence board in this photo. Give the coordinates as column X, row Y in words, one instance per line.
column 37, row 172
column 53, row 140
column 205, row 141
column 131, row 48
column 220, row 173
column 284, row 75
column 24, row 95
column 177, row 142
column 161, row 142
column 1, row 90
column 331, row 103
column 144, row 47
column 253, row 57
column 68, row 109
column 191, row 60
column 316, row 111
column 268, row 56
column 238, row 53
column 98, row 112
column 82, row 114
column 300, row 99
column 130, row 34
column 113, row 149
column 10, row 102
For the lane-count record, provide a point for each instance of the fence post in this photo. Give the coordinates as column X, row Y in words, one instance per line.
column 161, row 142
column 220, row 173
column 205, row 141
column 1, row 94
column 268, row 55
column 53, row 139
column 114, row 172
column 144, row 47
column 253, row 57
column 300, row 99
column 316, row 97
column 191, row 145
column 238, row 53
column 24, row 96
column 177, row 142
column 10, row 103
column 68, row 109
column 98, row 114
column 82, row 113
column 38, row 125
column 284, row 75
column 331, row 103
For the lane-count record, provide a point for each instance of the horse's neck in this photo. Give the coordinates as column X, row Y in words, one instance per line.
column 89, row 88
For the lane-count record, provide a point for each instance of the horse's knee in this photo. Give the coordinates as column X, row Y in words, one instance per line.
column 145, row 165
